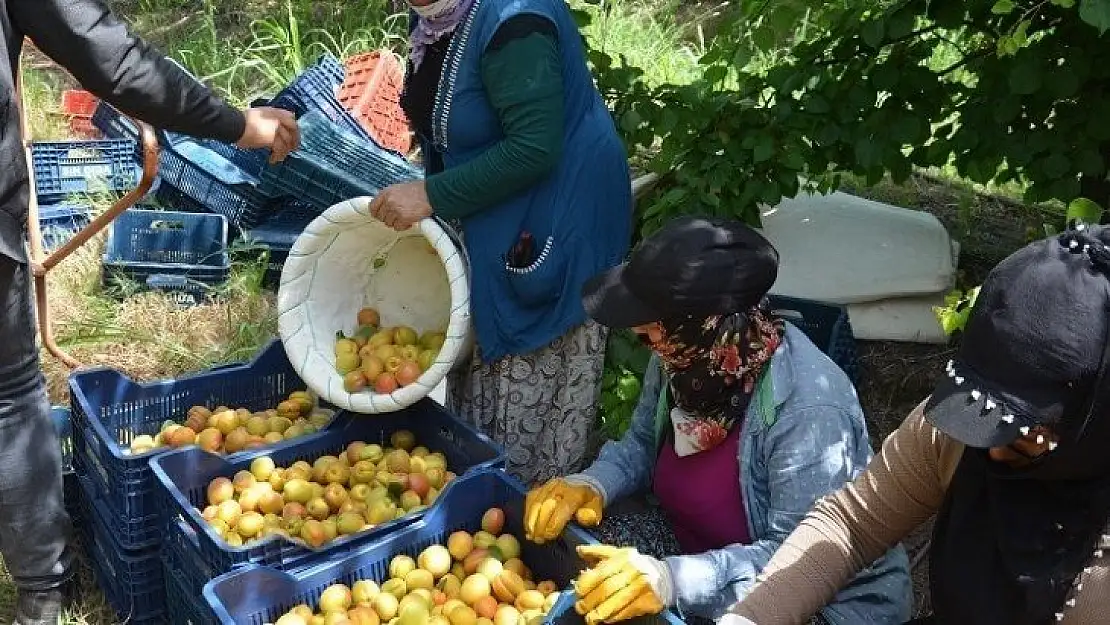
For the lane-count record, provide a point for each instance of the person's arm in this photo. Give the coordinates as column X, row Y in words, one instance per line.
column 900, row 489
column 624, row 467
column 522, row 74
column 86, row 38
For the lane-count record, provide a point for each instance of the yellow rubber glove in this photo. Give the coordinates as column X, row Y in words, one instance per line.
column 623, row 584
column 548, row 509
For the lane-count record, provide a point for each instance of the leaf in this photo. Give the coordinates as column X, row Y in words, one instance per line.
column 867, row 155
column 1056, row 165
column 1084, row 211
column 1089, row 163
column 1067, row 4
column 1002, row 7
column 763, row 150
column 872, row 33
column 1025, row 77
column 1096, row 13
column 764, row 38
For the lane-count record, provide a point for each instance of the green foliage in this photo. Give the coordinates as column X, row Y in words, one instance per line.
column 957, row 308
column 792, row 97
column 626, row 360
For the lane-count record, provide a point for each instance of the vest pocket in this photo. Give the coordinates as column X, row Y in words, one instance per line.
column 542, row 281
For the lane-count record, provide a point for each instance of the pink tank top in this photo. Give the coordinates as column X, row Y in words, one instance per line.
column 701, row 495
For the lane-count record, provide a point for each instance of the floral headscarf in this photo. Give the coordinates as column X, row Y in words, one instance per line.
column 714, row 364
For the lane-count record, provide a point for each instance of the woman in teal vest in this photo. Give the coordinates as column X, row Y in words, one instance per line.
column 523, row 158
column 743, row 424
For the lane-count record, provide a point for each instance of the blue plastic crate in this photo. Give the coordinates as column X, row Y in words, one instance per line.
column 170, row 251
column 109, row 121
column 277, row 235
column 316, row 90
column 334, row 165
column 257, row 595
column 827, row 325
column 132, row 581
column 63, row 168
column 185, row 585
column 170, row 197
column 59, row 222
column 110, row 410
column 63, row 426
column 184, row 476
column 211, row 180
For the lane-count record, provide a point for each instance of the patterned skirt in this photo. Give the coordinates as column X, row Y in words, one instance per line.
column 540, row 406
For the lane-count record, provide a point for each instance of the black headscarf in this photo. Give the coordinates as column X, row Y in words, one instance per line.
column 1010, row 544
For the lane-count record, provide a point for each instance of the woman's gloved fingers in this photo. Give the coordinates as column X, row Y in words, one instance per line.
column 596, row 553
column 592, row 578
column 589, row 514
column 644, row 603
column 610, row 587
column 558, row 520
column 619, row 601
column 532, row 503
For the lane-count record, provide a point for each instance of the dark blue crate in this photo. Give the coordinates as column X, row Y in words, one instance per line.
column 63, row 168
column 133, row 532
column 827, row 325
column 132, row 581
column 214, row 182
column 315, row 90
column 169, row 251
column 184, row 477
column 63, row 426
column 170, row 197
column 256, row 595
column 110, row 410
column 277, row 235
column 109, row 121
column 334, row 165
column 59, row 222
column 185, row 585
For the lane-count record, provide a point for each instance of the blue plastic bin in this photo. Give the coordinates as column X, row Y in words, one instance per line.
column 827, row 325
column 131, row 580
column 277, row 235
column 257, row 595
column 316, row 90
column 113, row 125
column 184, row 475
column 110, row 410
column 184, row 595
column 211, row 180
column 334, row 165
column 169, row 251
column 63, row 168
column 59, row 222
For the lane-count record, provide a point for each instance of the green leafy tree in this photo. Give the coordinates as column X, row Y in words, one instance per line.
column 1003, row 90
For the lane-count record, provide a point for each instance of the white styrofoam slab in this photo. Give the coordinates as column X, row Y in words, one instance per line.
column 902, row 319
column 845, row 249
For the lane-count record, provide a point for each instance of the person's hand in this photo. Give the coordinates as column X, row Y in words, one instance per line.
column 549, row 508
column 271, row 128
column 623, row 584
column 402, row 205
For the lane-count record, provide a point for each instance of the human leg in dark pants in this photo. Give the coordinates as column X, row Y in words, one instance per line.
column 34, row 526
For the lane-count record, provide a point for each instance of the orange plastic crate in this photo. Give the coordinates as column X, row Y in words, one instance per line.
column 79, row 106
column 371, row 92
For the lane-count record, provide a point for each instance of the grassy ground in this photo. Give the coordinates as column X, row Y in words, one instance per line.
column 248, row 50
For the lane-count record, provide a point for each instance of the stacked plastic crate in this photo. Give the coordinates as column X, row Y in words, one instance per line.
column 120, row 524
column 195, row 552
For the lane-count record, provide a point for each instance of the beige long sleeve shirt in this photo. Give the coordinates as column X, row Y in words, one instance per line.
column 902, row 487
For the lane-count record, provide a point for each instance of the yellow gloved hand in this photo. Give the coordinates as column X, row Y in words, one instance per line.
column 623, row 584
column 548, row 509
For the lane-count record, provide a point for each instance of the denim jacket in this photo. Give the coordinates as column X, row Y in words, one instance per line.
column 803, row 437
